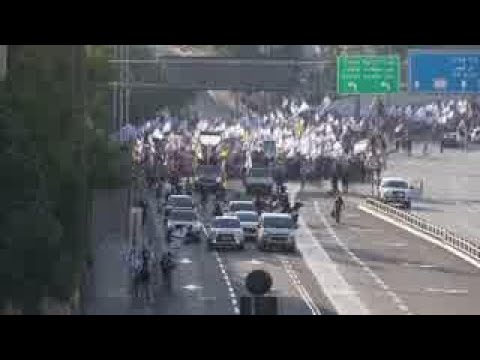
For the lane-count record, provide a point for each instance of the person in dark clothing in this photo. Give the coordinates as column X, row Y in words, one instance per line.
column 218, row 210
column 168, row 236
column 144, row 206
column 334, row 183
column 363, row 171
column 159, row 189
column 287, row 209
column 345, row 183
column 338, row 206
column 259, row 204
column 203, row 197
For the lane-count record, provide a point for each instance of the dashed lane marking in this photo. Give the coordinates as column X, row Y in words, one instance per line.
column 233, row 297
column 326, row 273
column 400, row 304
column 447, row 291
column 300, row 288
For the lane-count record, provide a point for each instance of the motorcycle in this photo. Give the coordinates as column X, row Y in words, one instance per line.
column 295, row 213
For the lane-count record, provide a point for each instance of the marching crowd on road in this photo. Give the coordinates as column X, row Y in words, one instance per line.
column 308, row 142
column 295, row 141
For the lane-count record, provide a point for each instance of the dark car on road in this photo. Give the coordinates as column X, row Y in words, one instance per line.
column 239, row 205
column 450, row 140
column 209, row 177
column 178, row 202
column 259, row 180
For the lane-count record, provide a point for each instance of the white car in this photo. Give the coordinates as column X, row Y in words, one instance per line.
column 475, row 135
column 277, row 231
column 226, row 232
column 396, row 191
column 184, row 218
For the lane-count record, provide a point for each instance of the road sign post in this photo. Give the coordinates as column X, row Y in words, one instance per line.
column 3, row 61
column 444, row 72
column 368, row 74
column 259, row 283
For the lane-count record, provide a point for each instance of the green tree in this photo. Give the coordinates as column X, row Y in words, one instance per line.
column 53, row 120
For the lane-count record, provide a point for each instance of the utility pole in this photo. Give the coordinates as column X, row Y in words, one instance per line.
column 3, row 61
column 115, row 91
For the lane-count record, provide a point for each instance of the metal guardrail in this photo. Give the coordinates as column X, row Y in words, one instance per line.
column 445, row 236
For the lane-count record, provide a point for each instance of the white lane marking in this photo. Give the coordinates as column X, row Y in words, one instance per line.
column 233, row 297
column 344, row 300
column 300, row 288
column 256, row 262
column 327, row 275
column 192, row 287
column 448, row 291
column 362, row 264
column 398, row 245
column 420, row 266
column 360, row 230
column 421, row 235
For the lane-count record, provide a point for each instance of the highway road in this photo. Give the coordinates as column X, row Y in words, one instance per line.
column 362, row 266
column 204, row 283
column 451, row 186
column 389, row 270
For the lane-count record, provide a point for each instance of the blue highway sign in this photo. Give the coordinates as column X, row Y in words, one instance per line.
column 453, row 72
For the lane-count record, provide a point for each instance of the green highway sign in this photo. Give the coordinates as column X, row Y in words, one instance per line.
column 365, row 74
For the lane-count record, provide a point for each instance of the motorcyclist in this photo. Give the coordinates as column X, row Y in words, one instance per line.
column 259, row 204
column 274, row 202
column 203, row 197
column 188, row 187
column 295, row 211
column 218, row 210
column 167, row 264
column 287, row 209
column 192, row 236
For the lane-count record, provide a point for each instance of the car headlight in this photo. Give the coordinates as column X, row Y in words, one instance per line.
column 218, row 179
column 238, row 237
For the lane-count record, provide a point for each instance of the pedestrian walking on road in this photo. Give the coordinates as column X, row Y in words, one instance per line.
column 338, row 207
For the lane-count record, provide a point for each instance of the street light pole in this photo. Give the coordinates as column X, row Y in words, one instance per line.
column 127, row 90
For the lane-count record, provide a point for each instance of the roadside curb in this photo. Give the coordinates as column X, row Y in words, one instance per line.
column 334, row 288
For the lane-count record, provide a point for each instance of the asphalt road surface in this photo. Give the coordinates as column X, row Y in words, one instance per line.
column 389, row 270
column 204, row 282
column 361, row 266
column 451, row 186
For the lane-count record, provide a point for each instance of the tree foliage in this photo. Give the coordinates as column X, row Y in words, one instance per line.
column 53, row 151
